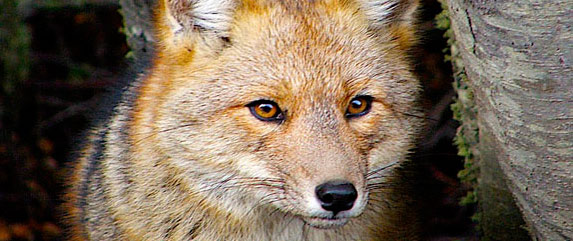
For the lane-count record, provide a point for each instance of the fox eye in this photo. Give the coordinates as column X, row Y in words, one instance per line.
column 359, row 106
column 266, row 110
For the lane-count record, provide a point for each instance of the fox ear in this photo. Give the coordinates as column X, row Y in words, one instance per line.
column 389, row 12
column 184, row 18
column 395, row 18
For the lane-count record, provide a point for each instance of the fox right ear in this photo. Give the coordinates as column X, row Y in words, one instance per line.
column 182, row 20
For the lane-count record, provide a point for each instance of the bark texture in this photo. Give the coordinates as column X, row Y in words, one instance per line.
column 517, row 56
column 138, row 26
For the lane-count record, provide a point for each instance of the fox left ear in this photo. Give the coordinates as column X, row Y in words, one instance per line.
column 180, row 21
column 199, row 15
column 387, row 12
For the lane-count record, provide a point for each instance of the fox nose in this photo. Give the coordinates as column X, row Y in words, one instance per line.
column 336, row 196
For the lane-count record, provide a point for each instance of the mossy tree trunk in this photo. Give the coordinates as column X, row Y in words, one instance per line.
column 517, row 58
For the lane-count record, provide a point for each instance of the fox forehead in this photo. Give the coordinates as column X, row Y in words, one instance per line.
column 310, row 50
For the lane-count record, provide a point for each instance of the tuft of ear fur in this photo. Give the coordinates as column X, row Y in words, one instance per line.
column 200, row 15
column 384, row 12
column 182, row 22
column 394, row 17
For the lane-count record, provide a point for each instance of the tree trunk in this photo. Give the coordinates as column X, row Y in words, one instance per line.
column 138, row 27
column 517, row 57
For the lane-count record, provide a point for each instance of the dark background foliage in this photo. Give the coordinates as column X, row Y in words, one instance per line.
column 57, row 62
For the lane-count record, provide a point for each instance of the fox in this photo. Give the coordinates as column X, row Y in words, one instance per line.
column 259, row 120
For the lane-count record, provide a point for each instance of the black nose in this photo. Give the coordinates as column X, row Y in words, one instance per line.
column 336, row 196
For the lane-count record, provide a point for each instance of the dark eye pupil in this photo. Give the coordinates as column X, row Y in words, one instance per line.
column 356, row 104
column 266, row 110
column 266, row 107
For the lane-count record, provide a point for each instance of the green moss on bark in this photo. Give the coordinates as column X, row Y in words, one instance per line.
column 464, row 110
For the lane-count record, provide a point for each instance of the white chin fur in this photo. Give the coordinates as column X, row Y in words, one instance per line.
column 325, row 223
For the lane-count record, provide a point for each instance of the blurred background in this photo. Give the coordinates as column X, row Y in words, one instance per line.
column 58, row 57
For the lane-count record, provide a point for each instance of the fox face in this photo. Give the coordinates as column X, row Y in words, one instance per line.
column 297, row 107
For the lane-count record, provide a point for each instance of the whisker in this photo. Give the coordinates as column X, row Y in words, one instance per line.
column 275, row 210
column 380, row 186
column 417, row 116
column 267, row 199
column 378, row 170
column 234, row 182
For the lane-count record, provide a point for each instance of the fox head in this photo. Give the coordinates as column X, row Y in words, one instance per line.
column 301, row 106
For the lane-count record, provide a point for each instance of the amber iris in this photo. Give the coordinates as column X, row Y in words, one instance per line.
column 359, row 106
column 266, row 110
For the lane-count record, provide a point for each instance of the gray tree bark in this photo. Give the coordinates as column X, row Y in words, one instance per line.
column 138, row 26
column 517, row 56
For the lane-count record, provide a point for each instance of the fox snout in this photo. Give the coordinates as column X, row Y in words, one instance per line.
column 336, row 199
column 321, row 162
column 336, row 196
column 331, row 203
